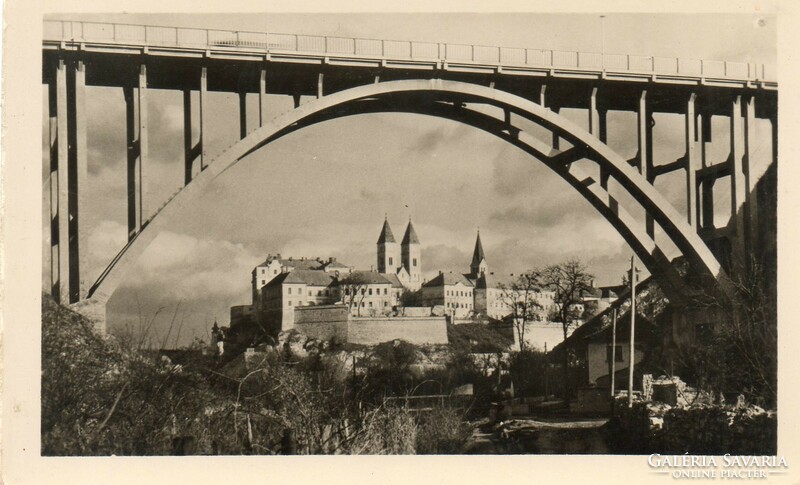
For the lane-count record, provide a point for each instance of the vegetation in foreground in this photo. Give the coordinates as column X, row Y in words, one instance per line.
column 102, row 398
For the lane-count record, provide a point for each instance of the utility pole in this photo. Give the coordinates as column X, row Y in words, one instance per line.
column 631, row 352
column 613, row 363
column 546, row 365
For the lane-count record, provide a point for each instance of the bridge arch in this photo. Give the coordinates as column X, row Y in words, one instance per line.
column 447, row 99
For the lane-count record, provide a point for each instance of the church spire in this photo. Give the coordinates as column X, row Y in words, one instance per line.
column 386, row 233
column 411, row 235
column 478, row 265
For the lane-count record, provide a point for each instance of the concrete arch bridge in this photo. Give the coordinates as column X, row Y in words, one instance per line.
column 503, row 91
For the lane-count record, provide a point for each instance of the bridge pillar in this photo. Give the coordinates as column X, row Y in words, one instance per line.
column 262, row 98
column 644, row 116
column 136, row 121
column 187, row 136
column 79, row 250
column 242, row 113
column 692, row 163
column 598, row 127
column 707, row 197
column 52, row 97
column 750, row 216
column 203, row 121
column 739, row 190
column 68, row 175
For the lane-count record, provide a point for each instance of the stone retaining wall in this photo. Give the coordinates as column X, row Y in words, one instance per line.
column 709, row 429
column 327, row 322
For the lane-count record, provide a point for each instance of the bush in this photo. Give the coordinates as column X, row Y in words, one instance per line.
column 442, row 431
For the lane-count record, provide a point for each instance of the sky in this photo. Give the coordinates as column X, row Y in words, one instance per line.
column 323, row 191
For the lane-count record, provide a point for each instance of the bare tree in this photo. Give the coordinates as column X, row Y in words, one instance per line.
column 352, row 291
column 522, row 297
column 569, row 281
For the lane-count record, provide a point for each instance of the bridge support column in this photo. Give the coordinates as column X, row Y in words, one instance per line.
column 188, row 158
column 739, row 191
column 262, row 98
column 136, row 121
column 242, row 114
column 750, row 215
column 52, row 98
column 645, row 136
column 68, row 174
column 61, row 165
column 79, row 250
column 203, row 121
column 691, row 162
column 320, row 85
column 598, row 128
column 707, row 197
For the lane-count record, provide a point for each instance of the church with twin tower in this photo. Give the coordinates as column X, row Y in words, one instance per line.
column 404, row 259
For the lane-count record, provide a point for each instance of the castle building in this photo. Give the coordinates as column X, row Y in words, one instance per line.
column 478, row 293
column 453, row 291
column 274, row 265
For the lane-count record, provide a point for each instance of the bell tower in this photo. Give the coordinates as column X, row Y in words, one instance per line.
column 478, row 265
column 388, row 250
column 412, row 257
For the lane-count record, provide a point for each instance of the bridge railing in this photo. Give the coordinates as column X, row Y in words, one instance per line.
column 149, row 35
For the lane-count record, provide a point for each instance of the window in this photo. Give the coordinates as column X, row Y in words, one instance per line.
column 386, row 303
column 290, row 302
column 370, row 291
column 385, row 291
column 290, row 291
column 309, row 292
column 617, row 354
column 275, row 271
column 415, row 262
column 390, row 262
column 370, row 304
column 263, row 281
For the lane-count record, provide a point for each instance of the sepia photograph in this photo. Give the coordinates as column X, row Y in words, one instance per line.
column 410, row 233
column 583, row 257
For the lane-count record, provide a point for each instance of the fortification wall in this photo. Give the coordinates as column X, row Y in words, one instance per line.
column 322, row 322
column 416, row 330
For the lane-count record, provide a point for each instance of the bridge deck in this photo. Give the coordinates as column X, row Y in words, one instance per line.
column 346, row 61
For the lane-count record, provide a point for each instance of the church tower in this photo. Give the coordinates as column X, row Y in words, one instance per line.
column 478, row 265
column 388, row 250
column 412, row 257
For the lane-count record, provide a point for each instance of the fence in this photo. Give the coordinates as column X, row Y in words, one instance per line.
column 150, row 35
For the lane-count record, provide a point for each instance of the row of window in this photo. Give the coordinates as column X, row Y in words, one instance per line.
column 365, row 291
column 458, row 293
column 459, row 305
